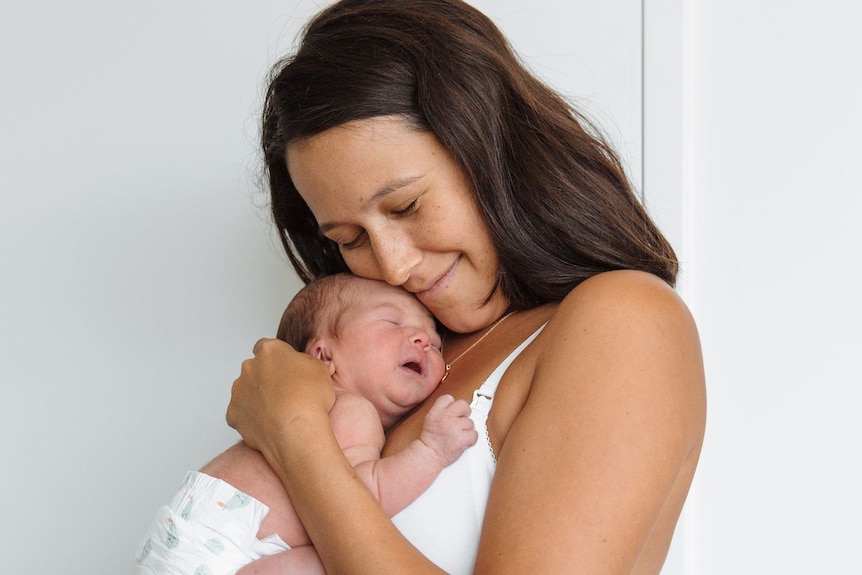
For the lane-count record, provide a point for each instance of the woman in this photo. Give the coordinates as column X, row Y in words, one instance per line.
column 405, row 142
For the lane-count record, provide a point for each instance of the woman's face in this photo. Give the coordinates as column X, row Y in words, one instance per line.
column 401, row 211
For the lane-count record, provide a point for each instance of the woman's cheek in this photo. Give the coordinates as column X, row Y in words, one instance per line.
column 361, row 264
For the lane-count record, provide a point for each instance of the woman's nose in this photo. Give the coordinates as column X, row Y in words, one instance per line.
column 396, row 258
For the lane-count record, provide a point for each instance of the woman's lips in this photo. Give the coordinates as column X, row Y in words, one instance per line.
column 438, row 284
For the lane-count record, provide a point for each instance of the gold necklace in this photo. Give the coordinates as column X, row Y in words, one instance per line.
column 475, row 343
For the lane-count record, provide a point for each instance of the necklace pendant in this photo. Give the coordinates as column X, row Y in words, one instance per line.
column 474, row 344
column 446, row 373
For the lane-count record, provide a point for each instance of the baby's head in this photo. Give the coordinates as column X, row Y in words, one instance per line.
column 378, row 340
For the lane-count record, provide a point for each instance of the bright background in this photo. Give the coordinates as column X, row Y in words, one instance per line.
column 753, row 140
column 138, row 261
column 139, row 265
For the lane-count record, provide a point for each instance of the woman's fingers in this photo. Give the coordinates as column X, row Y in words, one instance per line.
column 273, row 387
column 259, row 343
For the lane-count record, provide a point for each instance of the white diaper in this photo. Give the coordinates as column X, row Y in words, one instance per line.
column 210, row 528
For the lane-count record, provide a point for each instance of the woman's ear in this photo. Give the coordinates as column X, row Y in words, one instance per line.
column 321, row 348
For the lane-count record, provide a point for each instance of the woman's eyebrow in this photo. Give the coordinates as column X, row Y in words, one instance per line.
column 392, row 186
column 382, row 192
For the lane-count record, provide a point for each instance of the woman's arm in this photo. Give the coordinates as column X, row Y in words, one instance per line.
column 592, row 473
column 288, row 421
column 595, row 468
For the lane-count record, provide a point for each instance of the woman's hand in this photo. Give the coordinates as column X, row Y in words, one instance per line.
column 280, row 405
column 278, row 391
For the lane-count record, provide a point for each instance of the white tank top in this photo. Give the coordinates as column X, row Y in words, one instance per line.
column 445, row 522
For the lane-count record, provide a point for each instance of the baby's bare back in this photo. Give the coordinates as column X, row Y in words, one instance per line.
column 358, row 430
column 247, row 470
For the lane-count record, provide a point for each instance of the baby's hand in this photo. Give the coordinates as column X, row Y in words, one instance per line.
column 448, row 429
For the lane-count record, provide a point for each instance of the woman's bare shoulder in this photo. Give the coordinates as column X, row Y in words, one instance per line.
column 625, row 306
column 637, row 294
column 624, row 326
column 610, row 431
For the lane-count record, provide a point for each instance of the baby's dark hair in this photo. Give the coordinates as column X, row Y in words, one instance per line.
column 315, row 309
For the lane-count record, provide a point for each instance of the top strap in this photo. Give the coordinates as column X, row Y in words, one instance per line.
column 484, row 396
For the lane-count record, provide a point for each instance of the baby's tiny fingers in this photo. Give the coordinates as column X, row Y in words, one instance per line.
column 458, row 408
column 444, row 401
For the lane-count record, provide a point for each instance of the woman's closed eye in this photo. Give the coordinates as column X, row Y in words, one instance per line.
column 407, row 210
column 352, row 244
column 359, row 239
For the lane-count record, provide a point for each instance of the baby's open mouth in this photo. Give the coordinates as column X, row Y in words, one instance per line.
column 414, row 366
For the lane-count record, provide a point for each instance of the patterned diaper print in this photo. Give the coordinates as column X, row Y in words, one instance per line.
column 209, row 528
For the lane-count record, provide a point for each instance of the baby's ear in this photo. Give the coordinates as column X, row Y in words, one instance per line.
column 322, row 350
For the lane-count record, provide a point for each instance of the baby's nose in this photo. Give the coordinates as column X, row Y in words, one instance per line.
column 420, row 337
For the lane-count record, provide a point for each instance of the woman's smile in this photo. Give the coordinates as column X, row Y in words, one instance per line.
column 401, row 210
column 438, row 285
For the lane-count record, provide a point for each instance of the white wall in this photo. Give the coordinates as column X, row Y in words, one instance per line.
column 138, row 268
column 753, row 142
column 138, row 265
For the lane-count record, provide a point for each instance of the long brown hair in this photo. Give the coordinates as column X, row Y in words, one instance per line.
column 550, row 189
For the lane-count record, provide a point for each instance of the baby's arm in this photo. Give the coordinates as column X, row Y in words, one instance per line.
column 399, row 479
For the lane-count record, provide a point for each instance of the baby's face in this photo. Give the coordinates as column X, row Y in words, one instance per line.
column 388, row 349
